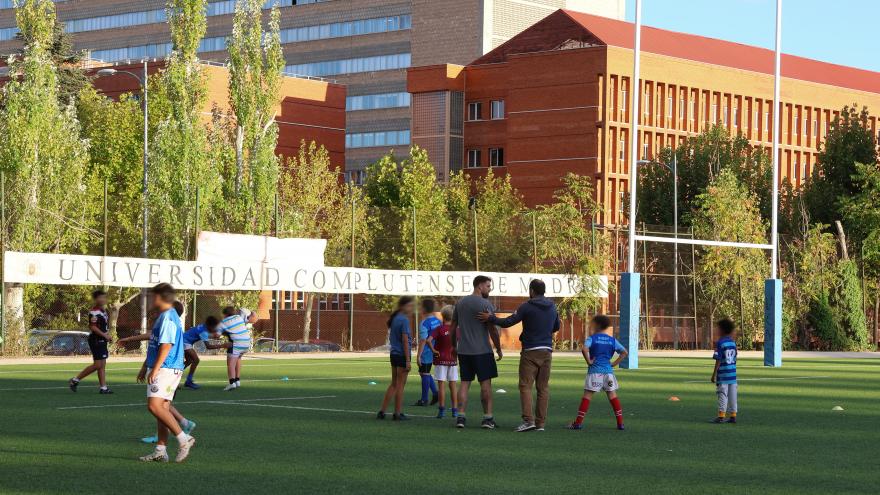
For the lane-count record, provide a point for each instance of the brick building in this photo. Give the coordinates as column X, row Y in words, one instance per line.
column 365, row 44
column 308, row 109
column 554, row 99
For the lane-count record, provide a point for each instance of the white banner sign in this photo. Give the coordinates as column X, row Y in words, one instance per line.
column 60, row 269
column 219, row 248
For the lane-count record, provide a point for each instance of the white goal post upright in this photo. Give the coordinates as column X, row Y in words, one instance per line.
column 629, row 303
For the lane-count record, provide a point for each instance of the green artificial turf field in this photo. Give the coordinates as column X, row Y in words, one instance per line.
column 316, row 433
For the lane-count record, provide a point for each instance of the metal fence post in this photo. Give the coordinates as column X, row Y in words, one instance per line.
column 195, row 304
column 535, row 239
column 278, row 294
column 105, row 226
column 476, row 237
column 415, row 264
column 351, row 296
column 3, row 262
column 648, row 340
column 694, row 289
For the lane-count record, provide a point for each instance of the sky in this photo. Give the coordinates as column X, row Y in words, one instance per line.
column 837, row 31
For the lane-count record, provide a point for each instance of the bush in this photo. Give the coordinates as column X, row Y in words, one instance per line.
column 848, row 305
column 823, row 321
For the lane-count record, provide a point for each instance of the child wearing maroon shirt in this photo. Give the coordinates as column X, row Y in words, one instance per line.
column 445, row 366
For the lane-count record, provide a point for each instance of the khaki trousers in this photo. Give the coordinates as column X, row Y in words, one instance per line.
column 534, row 370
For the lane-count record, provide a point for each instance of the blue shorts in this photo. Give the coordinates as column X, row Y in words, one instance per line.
column 398, row 361
column 479, row 366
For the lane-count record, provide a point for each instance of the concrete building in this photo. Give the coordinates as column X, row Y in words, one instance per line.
column 554, row 99
column 364, row 44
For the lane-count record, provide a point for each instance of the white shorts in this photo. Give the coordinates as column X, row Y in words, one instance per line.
column 235, row 354
column 605, row 382
column 166, row 383
column 446, row 373
column 187, row 347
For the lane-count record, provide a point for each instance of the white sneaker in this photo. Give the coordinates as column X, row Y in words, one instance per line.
column 526, row 426
column 155, row 456
column 229, row 387
column 183, row 450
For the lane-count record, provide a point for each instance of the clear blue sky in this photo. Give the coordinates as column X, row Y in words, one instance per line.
column 838, row 31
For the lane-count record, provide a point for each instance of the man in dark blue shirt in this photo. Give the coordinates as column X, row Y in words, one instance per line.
column 539, row 321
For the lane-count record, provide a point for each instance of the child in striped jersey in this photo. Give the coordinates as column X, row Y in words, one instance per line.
column 235, row 328
column 724, row 374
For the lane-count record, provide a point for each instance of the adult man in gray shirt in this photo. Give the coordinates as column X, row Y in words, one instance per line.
column 470, row 336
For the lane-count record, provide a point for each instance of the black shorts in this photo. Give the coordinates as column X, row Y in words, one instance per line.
column 99, row 349
column 425, row 368
column 398, row 361
column 481, row 366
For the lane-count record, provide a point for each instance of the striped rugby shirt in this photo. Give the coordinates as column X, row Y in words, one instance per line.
column 237, row 330
column 725, row 352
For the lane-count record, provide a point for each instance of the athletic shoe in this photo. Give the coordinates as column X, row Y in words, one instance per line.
column 435, row 399
column 461, row 422
column 237, row 383
column 420, row 403
column 188, row 427
column 731, row 421
column 73, row 383
column 105, row 391
column 620, row 427
column 152, row 439
column 575, row 426
column 400, row 417
column 183, row 450
column 192, row 385
column 539, row 428
column 380, row 415
column 718, row 421
column 526, row 426
column 155, row 456
column 488, row 423
column 454, row 412
column 440, row 413
column 229, row 387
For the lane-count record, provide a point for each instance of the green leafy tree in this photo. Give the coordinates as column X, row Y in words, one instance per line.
column 502, row 229
column 179, row 150
column 255, row 64
column 461, row 227
column 569, row 243
column 700, row 159
column 114, row 130
column 727, row 211
column 850, row 141
column 45, row 163
column 71, row 77
column 314, row 204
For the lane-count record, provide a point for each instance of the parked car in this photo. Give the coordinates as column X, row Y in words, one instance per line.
column 380, row 348
column 67, row 343
column 37, row 338
column 266, row 344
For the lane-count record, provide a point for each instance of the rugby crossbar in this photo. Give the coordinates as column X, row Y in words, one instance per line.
column 700, row 242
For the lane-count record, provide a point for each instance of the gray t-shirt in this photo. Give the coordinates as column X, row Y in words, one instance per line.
column 473, row 334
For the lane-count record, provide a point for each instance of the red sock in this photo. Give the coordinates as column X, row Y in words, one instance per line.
column 582, row 411
column 618, row 412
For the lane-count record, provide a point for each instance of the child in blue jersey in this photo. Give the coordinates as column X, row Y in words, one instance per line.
column 426, row 357
column 162, row 370
column 724, row 374
column 205, row 332
column 401, row 353
column 599, row 349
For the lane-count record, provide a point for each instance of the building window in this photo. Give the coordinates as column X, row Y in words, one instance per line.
column 497, row 109
column 475, row 110
column 693, row 110
column 766, row 120
column 714, row 113
column 644, row 151
column 681, row 108
column 724, row 118
column 357, row 177
column 815, row 128
column 474, row 160
column 647, row 105
column 351, row 65
column 377, row 101
column 806, row 125
column 735, row 116
column 623, row 104
column 621, row 150
column 496, row 157
column 669, row 107
column 377, row 139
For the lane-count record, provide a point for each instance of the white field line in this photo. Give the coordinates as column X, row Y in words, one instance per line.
column 202, row 366
column 322, row 409
column 764, row 379
column 222, row 401
column 212, row 381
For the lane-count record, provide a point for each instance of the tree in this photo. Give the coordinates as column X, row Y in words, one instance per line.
column 460, row 235
column 314, row 204
column 71, row 78
column 255, row 64
column 700, row 160
column 849, row 142
column 568, row 243
column 114, row 131
column 731, row 279
column 503, row 231
column 179, row 149
column 45, row 164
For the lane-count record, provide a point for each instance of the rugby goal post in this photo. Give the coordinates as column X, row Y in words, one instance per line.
column 630, row 282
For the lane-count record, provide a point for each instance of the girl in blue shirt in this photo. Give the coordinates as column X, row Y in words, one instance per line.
column 401, row 353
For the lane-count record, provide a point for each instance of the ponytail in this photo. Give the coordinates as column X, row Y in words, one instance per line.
column 403, row 301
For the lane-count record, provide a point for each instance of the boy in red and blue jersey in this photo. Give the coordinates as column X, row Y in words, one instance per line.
column 426, row 357
column 598, row 350
column 724, row 374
